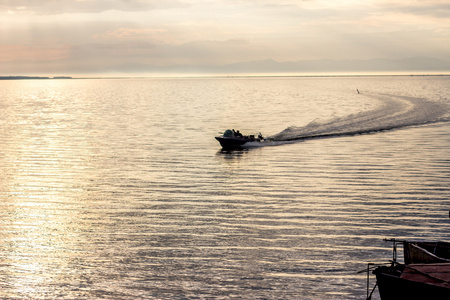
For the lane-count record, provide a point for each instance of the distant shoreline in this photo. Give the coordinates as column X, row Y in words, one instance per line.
column 192, row 76
column 32, row 77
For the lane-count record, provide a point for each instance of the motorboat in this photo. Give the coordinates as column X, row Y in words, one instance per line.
column 232, row 139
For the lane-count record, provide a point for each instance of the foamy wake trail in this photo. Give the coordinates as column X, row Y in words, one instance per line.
column 394, row 112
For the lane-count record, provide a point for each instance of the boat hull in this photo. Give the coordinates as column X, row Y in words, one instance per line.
column 235, row 142
column 413, row 281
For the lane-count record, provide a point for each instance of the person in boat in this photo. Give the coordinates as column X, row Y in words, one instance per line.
column 238, row 134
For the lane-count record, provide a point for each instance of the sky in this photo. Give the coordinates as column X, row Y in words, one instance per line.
column 69, row 37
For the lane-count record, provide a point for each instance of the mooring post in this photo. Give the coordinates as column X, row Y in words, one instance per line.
column 368, row 278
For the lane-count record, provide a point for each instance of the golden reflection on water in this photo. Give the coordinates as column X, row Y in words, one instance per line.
column 42, row 186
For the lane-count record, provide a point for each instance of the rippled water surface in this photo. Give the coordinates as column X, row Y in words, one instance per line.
column 117, row 189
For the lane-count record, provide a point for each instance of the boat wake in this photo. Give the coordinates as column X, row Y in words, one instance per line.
column 395, row 112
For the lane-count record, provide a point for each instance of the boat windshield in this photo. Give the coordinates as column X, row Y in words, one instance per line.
column 228, row 133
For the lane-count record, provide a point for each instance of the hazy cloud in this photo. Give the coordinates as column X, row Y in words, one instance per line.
column 85, row 6
column 436, row 8
column 32, row 53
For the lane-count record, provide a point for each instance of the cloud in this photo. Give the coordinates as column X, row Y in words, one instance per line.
column 151, row 54
column 434, row 8
column 47, row 7
column 131, row 33
column 33, row 53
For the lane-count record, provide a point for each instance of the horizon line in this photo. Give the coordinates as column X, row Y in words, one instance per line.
column 254, row 75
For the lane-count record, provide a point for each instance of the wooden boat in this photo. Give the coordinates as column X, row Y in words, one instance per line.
column 426, row 252
column 414, row 281
column 425, row 274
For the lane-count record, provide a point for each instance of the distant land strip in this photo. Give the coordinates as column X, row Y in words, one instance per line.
column 32, row 77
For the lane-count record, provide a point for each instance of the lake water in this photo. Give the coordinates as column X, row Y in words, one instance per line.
column 117, row 189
